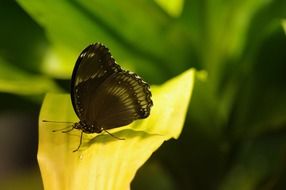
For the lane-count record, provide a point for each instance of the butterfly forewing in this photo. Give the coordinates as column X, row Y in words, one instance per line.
column 94, row 65
column 122, row 98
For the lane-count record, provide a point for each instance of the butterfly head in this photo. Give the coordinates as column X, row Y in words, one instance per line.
column 87, row 128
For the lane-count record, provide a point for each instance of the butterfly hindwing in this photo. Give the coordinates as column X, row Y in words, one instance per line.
column 122, row 98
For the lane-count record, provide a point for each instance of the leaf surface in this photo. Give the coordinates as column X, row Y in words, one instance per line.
column 104, row 162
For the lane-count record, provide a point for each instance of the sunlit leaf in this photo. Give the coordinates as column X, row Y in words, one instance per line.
column 172, row 7
column 284, row 24
column 104, row 162
column 148, row 39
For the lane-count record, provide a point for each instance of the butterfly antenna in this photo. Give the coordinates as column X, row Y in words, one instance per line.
column 113, row 135
column 80, row 141
column 57, row 121
column 62, row 129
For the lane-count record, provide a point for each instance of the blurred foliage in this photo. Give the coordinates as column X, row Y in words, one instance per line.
column 234, row 136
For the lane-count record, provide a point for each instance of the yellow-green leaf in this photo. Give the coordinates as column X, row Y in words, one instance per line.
column 172, row 7
column 104, row 162
column 284, row 24
column 15, row 80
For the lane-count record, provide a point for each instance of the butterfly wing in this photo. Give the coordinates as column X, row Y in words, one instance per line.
column 122, row 98
column 94, row 65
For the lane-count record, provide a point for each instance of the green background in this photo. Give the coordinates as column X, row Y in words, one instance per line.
column 234, row 135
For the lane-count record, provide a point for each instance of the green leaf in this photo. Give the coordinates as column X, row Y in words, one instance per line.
column 284, row 24
column 148, row 39
column 172, row 7
column 22, row 40
column 104, row 162
column 14, row 80
column 225, row 33
column 266, row 94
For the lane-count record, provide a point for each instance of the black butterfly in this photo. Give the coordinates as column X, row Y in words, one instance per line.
column 104, row 96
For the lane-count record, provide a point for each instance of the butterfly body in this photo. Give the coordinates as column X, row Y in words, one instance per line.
column 104, row 95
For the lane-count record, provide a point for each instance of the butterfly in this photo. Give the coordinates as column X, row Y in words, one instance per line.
column 105, row 96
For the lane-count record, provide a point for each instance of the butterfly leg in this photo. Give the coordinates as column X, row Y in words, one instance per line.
column 66, row 131
column 113, row 135
column 80, row 141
